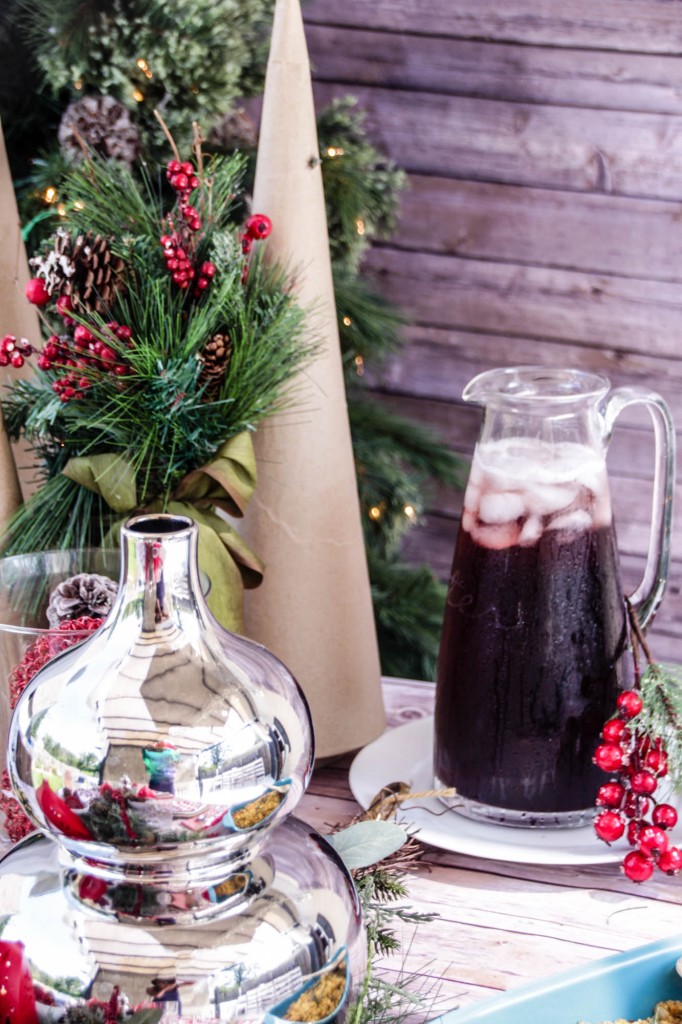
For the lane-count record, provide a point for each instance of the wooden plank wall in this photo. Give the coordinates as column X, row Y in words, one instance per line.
column 543, row 219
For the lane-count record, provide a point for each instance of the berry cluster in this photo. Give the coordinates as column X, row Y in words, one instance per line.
column 179, row 246
column 81, row 353
column 14, row 351
column 179, row 265
column 638, row 763
column 256, row 228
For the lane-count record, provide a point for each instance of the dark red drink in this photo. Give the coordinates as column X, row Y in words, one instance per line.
column 529, row 663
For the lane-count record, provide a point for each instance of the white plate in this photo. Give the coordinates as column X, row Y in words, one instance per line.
column 405, row 755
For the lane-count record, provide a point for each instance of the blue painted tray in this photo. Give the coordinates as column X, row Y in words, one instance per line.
column 624, row 985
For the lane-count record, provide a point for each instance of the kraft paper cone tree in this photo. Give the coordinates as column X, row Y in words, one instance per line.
column 19, row 317
column 314, row 609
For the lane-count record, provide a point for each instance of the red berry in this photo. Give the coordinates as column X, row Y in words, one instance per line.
column 643, row 782
column 193, row 182
column 635, row 806
column 174, row 167
column 51, row 349
column 107, row 355
column 613, row 730
column 124, row 333
column 208, row 269
column 36, row 292
column 246, row 244
column 202, row 283
column 665, row 816
column 609, row 757
column 258, row 226
column 609, row 826
column 633, row 831
column 179, row 182
column 657, row 761
column 637, row 866
column 652, row 840
column 610, row 794
column 17, row 359
column 187, row 168
column 64, row 305
column 7, row 343
column 120, row 369
column 629, row 703
column 82, row 335
column 670, row 861
column 4, row 359
column 44, row 363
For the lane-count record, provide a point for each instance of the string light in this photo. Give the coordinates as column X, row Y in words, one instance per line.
column 78, row 205
column 61, row 210
column 333, row 151
column 144, row 67
column 137, row 95
column 360, row 226
column 50, row 194
column 347, row 321
column 410, row 512
column 78, row 84
column 375, row 512
column 359, row 365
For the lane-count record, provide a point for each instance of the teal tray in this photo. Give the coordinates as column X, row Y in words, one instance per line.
column 624, row 985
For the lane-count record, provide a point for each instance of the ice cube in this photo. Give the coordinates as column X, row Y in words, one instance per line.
column 592, row 474
column 577, row 521
column 498, row 507
column 531, row 531
column 468, row 521
column 546, row 499
column 497, row 538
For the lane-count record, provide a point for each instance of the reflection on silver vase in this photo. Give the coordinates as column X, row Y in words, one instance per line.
column 165, row 756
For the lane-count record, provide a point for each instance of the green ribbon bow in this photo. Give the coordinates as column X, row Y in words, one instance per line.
column 227, row 482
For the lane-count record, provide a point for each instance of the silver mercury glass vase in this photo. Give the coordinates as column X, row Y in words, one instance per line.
column 161, row 760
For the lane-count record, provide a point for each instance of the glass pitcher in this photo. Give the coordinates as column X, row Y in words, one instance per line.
column 531, row 656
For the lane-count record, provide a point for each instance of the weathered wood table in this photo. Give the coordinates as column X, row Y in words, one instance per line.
column 501, row 924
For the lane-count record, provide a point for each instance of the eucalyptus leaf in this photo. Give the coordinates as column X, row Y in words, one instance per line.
column 367, row 842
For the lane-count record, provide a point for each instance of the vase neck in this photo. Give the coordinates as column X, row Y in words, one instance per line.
column 159, row 573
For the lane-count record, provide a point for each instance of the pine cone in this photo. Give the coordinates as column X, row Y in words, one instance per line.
column 84, row 269
column 234, row 131
column 104, row 125
column 215, row 358
column 83, row 594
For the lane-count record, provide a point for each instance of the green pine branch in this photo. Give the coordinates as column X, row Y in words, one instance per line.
column 661, row 714
column 361, row 186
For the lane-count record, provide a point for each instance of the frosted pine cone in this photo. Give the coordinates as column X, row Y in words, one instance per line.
column 83, row 594
column 83, row 268
column 104, row 125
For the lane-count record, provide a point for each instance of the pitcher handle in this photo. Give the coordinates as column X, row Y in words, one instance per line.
column 648, row 595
